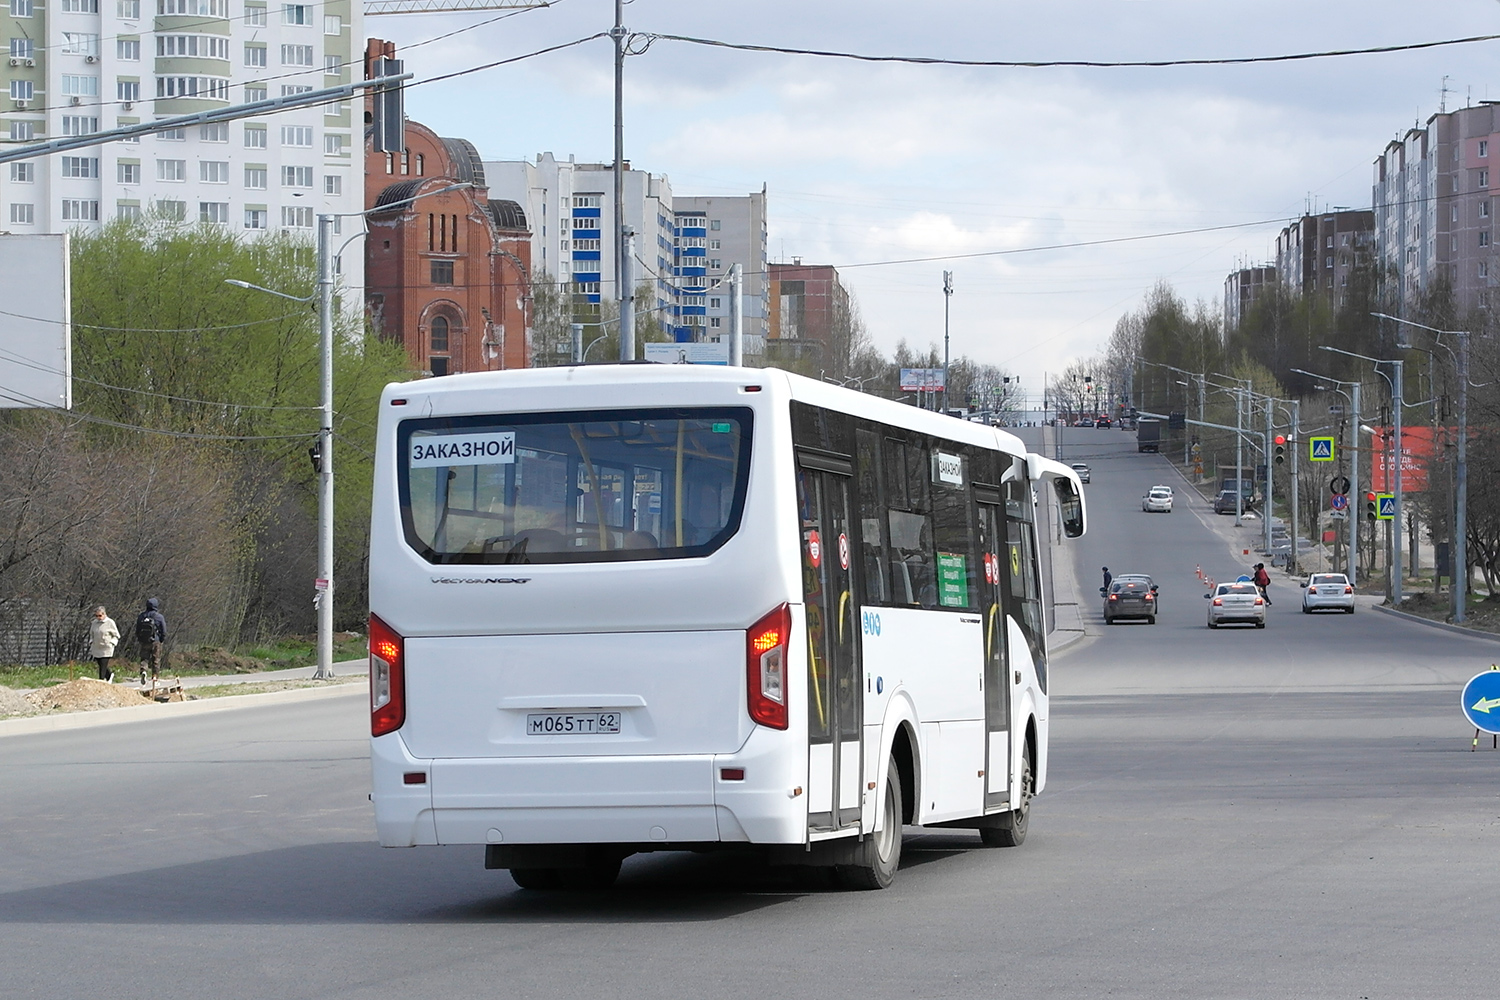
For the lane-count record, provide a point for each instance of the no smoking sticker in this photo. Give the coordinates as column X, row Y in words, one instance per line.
column 844, row 551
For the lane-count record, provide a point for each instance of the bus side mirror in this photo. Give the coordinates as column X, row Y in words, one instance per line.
column 1071, row 504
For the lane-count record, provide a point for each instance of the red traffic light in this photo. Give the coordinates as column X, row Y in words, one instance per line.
column 1281, row 439
column 1370, row 497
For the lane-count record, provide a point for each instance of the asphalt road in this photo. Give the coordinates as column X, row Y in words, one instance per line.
column 1291, row 812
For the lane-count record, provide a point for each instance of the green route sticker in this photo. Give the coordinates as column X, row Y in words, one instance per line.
column 953, row 580
column 723, row 428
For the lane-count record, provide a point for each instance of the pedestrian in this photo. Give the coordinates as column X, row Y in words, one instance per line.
column 1263, row 581
column 150, row 633
column 1108, row 576
column 104, row 636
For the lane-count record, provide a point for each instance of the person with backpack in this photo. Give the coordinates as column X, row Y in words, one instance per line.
column 1263, row 581
column 150, row 633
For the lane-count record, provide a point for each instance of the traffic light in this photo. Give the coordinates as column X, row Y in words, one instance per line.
column 1280, row 449
column 1370, row 510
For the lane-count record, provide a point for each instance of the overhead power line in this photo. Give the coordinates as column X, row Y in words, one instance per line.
column 648, row 37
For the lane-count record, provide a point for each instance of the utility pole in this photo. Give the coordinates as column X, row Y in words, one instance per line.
column 622, row 241
column 627, row 296
column 1398, row 523
column 1459, row 556
column 1295, row 441
column 1239, row 454
column 577, row 343
column 323, row 586
column 947, row 296
column 1353, row 519
column 736, row 316
column 1270, row 504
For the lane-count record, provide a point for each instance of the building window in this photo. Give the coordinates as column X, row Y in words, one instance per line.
column 215, row 212
column 333, row 24
column 128, row 173
column 1484, row 178
column 715, row 264
column 296, row 55
column 1484, row 238
column 80, row 86
column 296, row 13
column 1484, row 147
column 171, row 170
column 714, row 322
column 255, row 178
column 21, row 48
column 333, row 144
column 128, row 210
column 1484, row 269
column 255, row 55
column 256, row 218
column 421, row 165
column 438, row 366
column 254, row 92
column 23, row 173
column 1453, row 244
column 209, row 87
column 333, row 184
column 442, row 272
column 296, row 217
column 297, row 177
column 20, row 8
column 294, row 89
column 1484, row 208
column 297, row 135
column 211, row 8
column 80, row 6
column 332, row 65
column 25, row 131
column 713, row 224
column 22, row 213
column 438, row 336
column 80, row 166
column 214, row 132
column 1452, row 213
column 390, row 163
column 206, row 46
column 256, row 18
column 80, row 210
column 73, row 125
column 213, row 171
column 80, row 43
column 127, row 91
column 586, row 200
column 255, row 137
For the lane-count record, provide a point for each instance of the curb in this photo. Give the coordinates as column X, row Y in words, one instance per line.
column 1445, row 626
column 27, row 725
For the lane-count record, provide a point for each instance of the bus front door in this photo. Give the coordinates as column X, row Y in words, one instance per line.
column 997, row 685
column 834, row 786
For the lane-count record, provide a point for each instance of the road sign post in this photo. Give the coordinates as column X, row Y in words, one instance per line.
column 1481, row 704
column 1320, row 449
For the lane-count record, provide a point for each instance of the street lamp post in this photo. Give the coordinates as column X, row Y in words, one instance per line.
column 1353, row 518
column 1398, row 462
column 947, row 298
column 1458, row 558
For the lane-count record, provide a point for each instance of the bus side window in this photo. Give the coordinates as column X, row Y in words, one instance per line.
column 872, row 547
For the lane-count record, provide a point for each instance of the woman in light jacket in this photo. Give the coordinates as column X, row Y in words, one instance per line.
column 104, row 636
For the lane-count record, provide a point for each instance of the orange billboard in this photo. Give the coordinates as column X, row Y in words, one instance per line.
column 1419, row 444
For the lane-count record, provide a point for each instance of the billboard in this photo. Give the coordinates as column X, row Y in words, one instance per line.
column 688, row 353
column 1419, row 444
column 922, row 380
column 36, row 332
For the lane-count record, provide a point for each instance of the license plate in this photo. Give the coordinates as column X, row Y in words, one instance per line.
column 572, row 723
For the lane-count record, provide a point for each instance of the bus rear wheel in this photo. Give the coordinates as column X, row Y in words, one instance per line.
column 1012, row 829
column 880, row 853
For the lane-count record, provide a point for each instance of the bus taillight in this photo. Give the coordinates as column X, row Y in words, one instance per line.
column 387, row 679
column 765, row 656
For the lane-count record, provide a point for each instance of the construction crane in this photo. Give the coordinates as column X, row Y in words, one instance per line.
column 373, row 7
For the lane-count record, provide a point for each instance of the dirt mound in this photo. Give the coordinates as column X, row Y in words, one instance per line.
column 85, row 694
column 14, row 703
column 213, row 660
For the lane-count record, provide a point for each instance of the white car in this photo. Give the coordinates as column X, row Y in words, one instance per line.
column 1236, row 602
column 1327, row 591
column 1158, row 500
column 1082, row 470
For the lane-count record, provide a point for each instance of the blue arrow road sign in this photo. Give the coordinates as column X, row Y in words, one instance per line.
column 1339, row 501
column 1385, row 506
column 1481, row 701
column 1320, row 449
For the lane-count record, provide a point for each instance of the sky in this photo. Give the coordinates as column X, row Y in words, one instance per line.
column 866, row 163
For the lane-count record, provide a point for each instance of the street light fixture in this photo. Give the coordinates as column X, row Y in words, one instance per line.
column 1352, row 520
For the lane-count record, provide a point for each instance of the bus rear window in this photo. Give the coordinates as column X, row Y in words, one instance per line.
column 573, row 487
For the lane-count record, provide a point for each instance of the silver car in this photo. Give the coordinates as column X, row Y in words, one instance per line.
column 1236, row 602
column 1158, row 500
column 1327, row 591
column 1082, row 470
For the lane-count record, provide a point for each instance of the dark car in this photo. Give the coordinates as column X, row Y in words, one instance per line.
column 1102, row 422
column 1130, row 597
column 1224, row 503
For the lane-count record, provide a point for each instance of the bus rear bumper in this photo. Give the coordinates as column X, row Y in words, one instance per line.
column 625, row 800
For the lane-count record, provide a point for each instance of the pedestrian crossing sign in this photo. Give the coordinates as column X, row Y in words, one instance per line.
column 1385, row 506
column 1320, row 449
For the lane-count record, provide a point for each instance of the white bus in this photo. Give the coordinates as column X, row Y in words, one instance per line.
column 632, row 608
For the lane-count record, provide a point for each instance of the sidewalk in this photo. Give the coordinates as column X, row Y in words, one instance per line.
column 344, row 668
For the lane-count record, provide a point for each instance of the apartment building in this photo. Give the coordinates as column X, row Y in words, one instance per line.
column 571, row 207
column 1241, row 289
column 82, row 66
column 808, row 316
column 1433, row 205
column 714, row 234
column 1316, row 254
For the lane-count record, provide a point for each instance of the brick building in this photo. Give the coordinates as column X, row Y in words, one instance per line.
column 808, row 314
column 447, row 275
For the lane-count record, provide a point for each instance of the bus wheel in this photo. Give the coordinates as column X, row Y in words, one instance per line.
column 880, row 853
column 536, row 878
column 1012, row 829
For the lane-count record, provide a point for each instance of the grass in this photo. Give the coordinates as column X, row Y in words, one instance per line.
column 292, row 651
